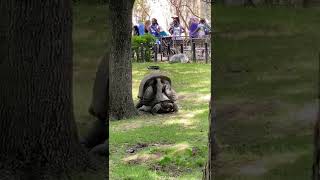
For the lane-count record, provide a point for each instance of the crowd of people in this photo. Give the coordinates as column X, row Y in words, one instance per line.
column 198, row 28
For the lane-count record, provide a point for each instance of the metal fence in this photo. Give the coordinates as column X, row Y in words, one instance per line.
column 197, row 49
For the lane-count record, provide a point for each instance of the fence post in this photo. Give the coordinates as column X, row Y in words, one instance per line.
column 136, row 51
column 155, row 52
column 181, row 48
column 194, row 52
column 169, row 51
column 160, row 51
column 145, row 52
column 206, row 51
column 141, row 51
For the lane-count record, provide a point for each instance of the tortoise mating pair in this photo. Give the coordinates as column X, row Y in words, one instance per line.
column 156, row 95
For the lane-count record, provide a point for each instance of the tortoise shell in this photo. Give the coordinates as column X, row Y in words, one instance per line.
column 149, row 79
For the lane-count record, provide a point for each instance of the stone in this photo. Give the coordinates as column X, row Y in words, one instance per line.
column 179, row 58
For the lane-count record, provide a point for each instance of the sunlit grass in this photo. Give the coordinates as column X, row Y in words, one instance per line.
column 175, row 133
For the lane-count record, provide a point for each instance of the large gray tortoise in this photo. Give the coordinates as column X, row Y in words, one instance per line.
column 156, row 95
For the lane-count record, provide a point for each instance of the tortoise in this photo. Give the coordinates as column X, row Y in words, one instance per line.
column 156, row 95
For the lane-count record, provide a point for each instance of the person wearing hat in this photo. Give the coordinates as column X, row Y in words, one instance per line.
column 174, row 18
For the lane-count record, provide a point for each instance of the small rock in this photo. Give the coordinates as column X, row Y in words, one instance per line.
column 131, row 150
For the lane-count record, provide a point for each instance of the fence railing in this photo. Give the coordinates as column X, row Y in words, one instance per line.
column 197, row 49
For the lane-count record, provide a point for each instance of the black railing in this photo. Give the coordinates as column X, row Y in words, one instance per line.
column 197, row 49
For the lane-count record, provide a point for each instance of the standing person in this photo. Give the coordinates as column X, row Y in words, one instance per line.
column 174, row 19
column 147, row 25
column 155, row 28
column 141, row 28
column 201, row 29
column 176, row 29
column 193, row 24
column 207, row 28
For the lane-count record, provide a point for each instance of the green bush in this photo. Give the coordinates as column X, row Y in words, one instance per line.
column 148, row 40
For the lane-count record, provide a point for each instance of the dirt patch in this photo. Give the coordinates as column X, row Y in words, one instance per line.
column 173, row 171
column 244, row 110
column 142, row 158
column 136, row 148
column 136, row 158
column 141, row 146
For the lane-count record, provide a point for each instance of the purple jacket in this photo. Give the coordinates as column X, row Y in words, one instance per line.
column 193, row 27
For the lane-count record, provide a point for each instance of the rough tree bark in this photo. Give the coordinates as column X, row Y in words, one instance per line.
column 121, row 102
column 316, row 158
column 213, row 148
column 38, row 132
column 212, row 144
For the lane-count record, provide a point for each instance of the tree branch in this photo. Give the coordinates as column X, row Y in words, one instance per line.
column 190, row 9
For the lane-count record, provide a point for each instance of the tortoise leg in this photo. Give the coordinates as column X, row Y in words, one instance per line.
column 175, row 107
column 145, row 108
column 156, row 108
column 139, row 104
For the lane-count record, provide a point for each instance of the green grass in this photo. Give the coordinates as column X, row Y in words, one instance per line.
column 181, row 138
column 185, row 130
column 261, row 133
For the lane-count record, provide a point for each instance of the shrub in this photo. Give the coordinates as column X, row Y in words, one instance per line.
column 147, row 40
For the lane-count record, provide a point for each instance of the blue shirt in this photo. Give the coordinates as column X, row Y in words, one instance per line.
column 141, row 29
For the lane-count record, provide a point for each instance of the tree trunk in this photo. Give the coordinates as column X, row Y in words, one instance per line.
column 212, row 144
column 213, row 148
column 121, row 102
column 316, row 162
column 316, row 158
column 38, row 131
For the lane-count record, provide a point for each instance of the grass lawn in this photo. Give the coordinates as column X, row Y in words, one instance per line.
column 266, row 63
column 177, row 143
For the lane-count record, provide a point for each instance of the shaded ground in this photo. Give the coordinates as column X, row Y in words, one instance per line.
column 267, row 69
